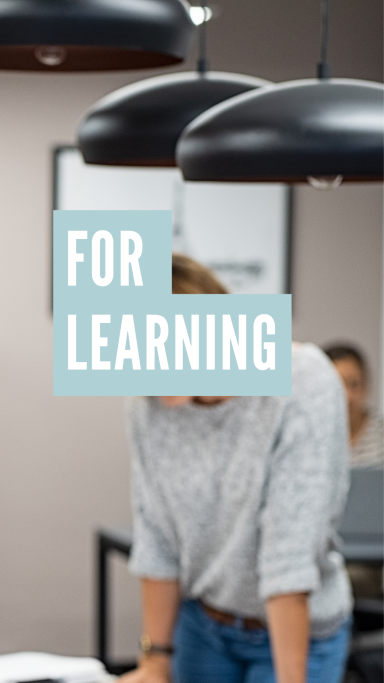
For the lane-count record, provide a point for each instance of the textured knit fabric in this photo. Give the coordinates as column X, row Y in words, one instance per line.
column 240, row 500
column 368, row 451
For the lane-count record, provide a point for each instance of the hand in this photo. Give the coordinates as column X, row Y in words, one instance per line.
column 152, row 669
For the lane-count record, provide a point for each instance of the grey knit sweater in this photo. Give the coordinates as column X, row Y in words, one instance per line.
column 240, row 500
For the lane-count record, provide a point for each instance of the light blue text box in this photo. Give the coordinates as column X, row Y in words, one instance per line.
column 154, row 298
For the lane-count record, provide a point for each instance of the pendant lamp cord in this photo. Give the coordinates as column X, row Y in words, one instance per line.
column 323, row 68
column 202, row 64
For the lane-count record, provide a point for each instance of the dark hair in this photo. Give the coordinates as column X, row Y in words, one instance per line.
column 190, row 277
column 340, row 352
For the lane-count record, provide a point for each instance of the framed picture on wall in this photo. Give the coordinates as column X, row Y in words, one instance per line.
column 242, row 231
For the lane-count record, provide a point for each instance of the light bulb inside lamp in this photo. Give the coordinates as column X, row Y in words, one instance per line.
column 200, row 14
column 326, row 182
column 51, row 55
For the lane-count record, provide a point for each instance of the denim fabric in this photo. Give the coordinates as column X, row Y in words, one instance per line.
column 209, row 652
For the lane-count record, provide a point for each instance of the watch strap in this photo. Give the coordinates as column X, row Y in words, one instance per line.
column 147, row 647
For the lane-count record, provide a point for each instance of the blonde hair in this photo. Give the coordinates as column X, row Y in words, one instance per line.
column 190, row 277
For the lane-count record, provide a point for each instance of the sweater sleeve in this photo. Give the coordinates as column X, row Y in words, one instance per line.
column 306, row 487
column 154, row 549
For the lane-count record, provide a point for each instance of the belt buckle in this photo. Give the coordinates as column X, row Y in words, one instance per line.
column 242, row 623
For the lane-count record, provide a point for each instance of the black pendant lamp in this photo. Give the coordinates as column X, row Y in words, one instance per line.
column 322, row 130
column 93, row 35
column 140, row 124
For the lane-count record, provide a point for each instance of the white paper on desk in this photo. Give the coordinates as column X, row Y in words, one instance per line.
column 29, row 666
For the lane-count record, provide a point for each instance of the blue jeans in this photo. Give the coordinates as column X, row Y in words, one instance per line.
column 209, row 652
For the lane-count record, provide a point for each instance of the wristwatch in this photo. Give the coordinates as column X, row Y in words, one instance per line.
column 149, row 648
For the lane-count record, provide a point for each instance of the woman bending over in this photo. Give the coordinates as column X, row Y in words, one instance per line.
column 236, row 502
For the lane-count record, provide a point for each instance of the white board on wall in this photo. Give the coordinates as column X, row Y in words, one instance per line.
column 241, row 231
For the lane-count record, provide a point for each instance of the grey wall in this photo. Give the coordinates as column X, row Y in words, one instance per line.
column 337, row 270
column 64, row 463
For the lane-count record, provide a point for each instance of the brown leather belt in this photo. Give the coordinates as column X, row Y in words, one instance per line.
column 246, row 623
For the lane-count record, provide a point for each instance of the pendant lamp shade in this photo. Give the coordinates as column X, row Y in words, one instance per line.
column 289, row 132
column 140, row 124
column 90, row 35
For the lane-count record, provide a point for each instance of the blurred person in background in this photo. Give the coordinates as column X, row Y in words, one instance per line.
column 366, row 446
column 365, row 427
